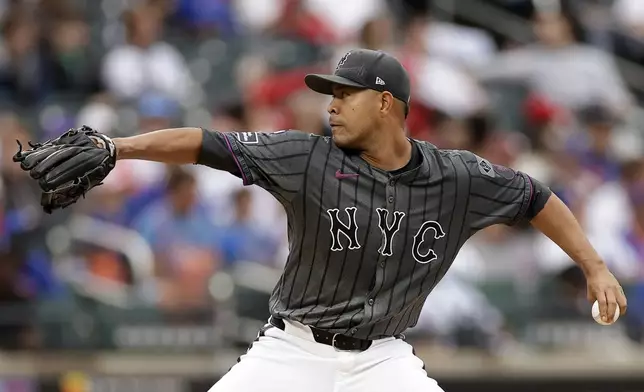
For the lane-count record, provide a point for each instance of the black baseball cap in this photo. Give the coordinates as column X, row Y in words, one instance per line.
column 369, row 69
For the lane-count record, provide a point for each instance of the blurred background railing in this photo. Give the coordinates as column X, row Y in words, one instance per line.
column 161, row 277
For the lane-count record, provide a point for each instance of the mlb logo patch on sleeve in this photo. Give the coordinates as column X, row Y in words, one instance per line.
column 247, row 137
column 485, row 167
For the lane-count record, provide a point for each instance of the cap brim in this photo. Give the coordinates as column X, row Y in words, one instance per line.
column 323, row 84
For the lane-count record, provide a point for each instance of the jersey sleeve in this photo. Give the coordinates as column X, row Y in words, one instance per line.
column 276, row 161
column 498, row 194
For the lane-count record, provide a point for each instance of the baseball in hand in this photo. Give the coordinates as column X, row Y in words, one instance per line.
column 597, row 316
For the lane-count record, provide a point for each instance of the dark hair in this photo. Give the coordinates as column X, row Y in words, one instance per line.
column 570, row 11
column 596, row 113
column 481, row 126
column 178, row 177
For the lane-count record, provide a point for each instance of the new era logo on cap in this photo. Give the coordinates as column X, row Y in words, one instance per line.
column 380, row 81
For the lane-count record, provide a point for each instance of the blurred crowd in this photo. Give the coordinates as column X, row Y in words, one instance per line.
column 555, row 105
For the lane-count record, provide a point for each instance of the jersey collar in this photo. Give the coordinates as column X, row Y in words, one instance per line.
column 420, row 171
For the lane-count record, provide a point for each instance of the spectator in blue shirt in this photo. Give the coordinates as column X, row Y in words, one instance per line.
column 245, row 241
column 208, row 15
column 597, row 155
column 184, row 241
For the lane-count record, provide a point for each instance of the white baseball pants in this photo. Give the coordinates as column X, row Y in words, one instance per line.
column 291, row 361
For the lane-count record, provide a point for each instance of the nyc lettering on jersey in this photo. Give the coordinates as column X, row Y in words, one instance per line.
column 388, row 231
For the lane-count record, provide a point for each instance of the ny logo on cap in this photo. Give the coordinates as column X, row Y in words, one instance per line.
column 342, row 61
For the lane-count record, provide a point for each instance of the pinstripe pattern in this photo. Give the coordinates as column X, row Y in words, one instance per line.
column 371, row 290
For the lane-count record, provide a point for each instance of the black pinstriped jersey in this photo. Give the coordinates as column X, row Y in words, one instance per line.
column 368, row 246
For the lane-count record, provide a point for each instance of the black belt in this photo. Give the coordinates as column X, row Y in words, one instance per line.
column 341, row 342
